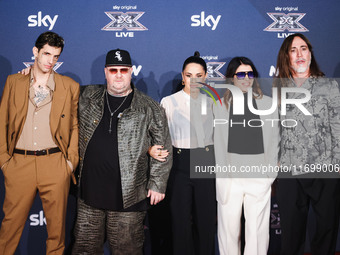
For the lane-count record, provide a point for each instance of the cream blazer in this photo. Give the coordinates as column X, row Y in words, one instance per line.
column 270, row 130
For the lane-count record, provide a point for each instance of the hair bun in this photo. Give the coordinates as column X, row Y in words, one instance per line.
column 195, row 59
column 197, row 54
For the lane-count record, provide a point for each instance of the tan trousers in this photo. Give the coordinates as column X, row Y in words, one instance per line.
column 24, row 176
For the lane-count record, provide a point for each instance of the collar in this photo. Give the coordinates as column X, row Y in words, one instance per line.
column 185, row 95
column 191, row 99
column 50, row 82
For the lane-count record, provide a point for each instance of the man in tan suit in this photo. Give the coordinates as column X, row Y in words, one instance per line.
column 38, row 145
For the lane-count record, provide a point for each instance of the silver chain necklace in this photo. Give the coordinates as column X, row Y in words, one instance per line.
column 111, row 113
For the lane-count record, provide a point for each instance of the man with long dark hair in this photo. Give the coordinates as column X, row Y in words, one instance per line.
column 312, row 145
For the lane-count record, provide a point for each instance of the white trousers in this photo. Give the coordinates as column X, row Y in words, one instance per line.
column 254, row 195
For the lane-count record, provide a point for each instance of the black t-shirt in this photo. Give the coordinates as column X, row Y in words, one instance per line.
column 244, row 139
column 101, row 181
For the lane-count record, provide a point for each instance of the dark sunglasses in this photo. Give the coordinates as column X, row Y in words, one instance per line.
column 242, row 75
column 121, row 70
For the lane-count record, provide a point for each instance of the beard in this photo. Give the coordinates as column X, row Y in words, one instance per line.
column 301, row 69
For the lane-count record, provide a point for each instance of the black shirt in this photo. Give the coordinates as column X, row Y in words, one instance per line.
column 101, row 181
column 244, row 139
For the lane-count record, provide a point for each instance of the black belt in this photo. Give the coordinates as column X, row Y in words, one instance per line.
column 37, row 153
column 180, row 150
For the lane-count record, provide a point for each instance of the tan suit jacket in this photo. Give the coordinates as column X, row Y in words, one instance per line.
column 63, row 116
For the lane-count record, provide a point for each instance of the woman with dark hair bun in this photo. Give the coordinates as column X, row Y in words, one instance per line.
column 192, row 199
column 246, row 146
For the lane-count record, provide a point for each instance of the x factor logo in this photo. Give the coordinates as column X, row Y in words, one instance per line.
column 275, row 217
column 121, row 20
column 284, row 22
column 209, row 93
column 213, row 69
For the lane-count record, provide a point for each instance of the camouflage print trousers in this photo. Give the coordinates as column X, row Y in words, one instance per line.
column 124, row 231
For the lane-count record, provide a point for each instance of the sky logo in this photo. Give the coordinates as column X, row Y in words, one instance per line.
column 202, row 20
column 39, row 20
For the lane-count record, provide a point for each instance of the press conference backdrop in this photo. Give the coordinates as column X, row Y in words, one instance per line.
column 160, row 35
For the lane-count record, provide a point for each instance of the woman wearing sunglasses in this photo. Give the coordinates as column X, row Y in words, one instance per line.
column 247, row 142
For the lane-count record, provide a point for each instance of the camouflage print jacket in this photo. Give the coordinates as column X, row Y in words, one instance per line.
column 143, row 124
column 314, row 141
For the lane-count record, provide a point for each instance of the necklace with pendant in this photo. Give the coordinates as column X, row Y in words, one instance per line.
column 111, row 113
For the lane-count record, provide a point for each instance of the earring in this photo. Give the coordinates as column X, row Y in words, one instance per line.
column 183, row 82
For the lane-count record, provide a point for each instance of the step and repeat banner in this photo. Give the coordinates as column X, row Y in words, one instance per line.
column 160, row 35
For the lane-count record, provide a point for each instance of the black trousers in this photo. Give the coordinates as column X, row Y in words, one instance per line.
column 294, row 197
column 192, row 203
column 159, row 220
